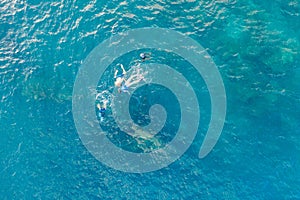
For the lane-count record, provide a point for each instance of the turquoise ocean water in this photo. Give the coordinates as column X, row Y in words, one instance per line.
column 256, row 47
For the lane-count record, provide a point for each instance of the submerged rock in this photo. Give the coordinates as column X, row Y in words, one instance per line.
column 46, row 87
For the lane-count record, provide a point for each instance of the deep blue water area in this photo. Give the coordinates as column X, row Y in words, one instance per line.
column 255, row 46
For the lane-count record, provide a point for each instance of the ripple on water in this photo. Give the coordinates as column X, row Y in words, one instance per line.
column 255, row 44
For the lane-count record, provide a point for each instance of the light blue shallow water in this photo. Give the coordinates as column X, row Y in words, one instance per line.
column 256, row 46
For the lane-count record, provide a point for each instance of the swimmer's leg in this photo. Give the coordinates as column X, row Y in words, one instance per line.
column 131, row 78
column 105, row 104
column 134, row 82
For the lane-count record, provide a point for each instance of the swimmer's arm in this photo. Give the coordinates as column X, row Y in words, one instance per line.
column 124, row 71
column 115, row 75
column 148, row 57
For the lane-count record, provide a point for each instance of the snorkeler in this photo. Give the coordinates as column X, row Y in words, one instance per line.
column 133, row 79
column 102, row 110
column 145, row 56
column 122, row 84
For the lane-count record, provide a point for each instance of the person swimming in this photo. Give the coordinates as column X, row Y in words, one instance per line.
column 119, row 78
column 144, row 56
column 122, row 84
column 102, row 110
column 133, row 80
